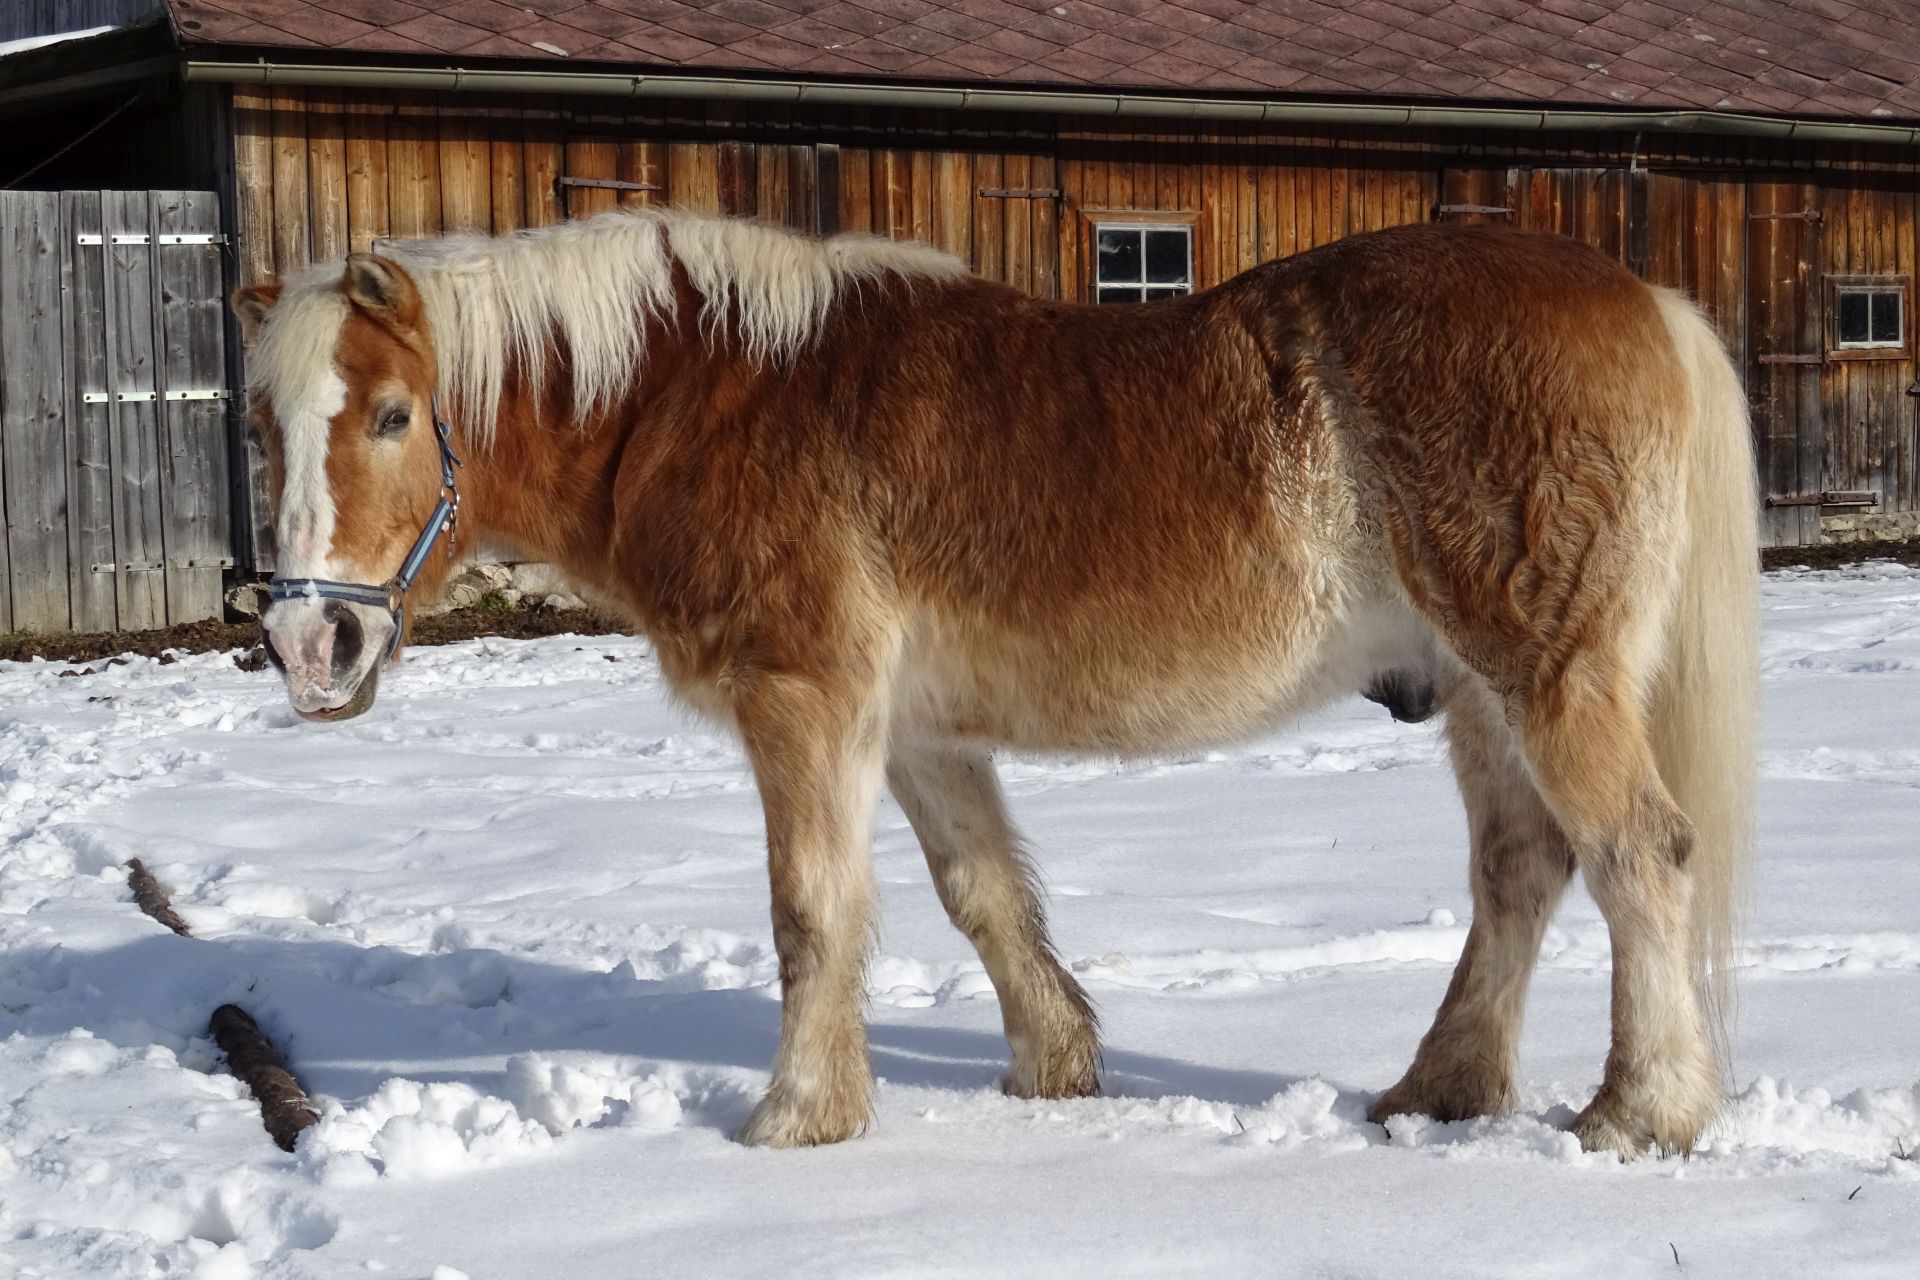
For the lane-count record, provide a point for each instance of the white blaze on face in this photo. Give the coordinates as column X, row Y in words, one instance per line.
column 306, row 538
column 296, row 358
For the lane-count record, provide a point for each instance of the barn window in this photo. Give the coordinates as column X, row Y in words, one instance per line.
column 1869, row 317
column 1142, row 261
column 1866, row 316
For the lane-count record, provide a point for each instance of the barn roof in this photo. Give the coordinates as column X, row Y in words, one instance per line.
column 1844, row 58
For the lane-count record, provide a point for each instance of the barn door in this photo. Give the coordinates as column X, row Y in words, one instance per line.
column 1785, row 355
column 113, row 409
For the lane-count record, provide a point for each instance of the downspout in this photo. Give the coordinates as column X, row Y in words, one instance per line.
column 1065, row 102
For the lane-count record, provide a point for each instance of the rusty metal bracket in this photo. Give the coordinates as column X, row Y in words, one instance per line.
column 1826, row 498
column 607, row 184
column 1777, row 359
column 1798, row 215
column 1443, row 209
column 1021, row 193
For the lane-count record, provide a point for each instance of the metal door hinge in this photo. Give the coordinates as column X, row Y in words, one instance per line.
column 131, row 237
column 1444, row 209
column 193, row 237
column 1793, row 359
column 131, row 566
column 142, row 397
column 1021, row 193
column 1798, row 215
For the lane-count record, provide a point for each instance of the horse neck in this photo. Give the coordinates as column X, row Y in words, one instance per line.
column 520, row 492
column 542, row 488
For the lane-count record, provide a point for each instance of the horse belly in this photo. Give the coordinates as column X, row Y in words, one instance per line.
column 1123, row 686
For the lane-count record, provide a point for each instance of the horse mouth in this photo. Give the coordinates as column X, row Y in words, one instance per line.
column 358, row 704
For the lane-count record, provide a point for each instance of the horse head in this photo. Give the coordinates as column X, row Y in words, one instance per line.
column 342, row 378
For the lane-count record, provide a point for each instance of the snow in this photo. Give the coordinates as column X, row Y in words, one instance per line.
column 24, row 43
column 511, row 928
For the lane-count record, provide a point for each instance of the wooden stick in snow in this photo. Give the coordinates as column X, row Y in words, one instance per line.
column 251, row 1057
column 152, row 899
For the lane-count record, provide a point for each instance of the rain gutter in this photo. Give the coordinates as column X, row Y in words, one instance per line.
column 1066, row 102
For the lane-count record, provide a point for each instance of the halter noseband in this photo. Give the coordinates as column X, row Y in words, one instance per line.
column 392, row 595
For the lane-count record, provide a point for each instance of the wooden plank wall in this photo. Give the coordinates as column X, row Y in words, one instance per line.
column 116, row 498
column 319, row 173
column 1251, row 196
column 32, row 397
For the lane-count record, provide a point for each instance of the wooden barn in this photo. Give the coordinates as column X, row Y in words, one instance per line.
column 1760, row 154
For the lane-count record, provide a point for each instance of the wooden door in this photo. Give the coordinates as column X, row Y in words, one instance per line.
column 1784, row 355
column 113, row 410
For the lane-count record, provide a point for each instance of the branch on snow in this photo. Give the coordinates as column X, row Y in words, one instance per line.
column 251, row 1057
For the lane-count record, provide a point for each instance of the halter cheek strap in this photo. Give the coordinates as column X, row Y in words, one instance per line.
column 392, row 594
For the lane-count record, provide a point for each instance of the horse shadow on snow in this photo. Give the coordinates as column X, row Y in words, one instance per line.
column 350, row 1017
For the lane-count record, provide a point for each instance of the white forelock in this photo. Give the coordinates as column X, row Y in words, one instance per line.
column 591, row 289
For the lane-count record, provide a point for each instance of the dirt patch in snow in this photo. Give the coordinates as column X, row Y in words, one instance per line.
column 1838, row 555
column 523, row 622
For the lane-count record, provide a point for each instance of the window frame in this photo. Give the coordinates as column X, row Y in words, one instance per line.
column 1092, row 220
column 1838, row 285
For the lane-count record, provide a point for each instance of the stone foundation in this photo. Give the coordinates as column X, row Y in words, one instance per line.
column 1889, row 526
column 509, row 584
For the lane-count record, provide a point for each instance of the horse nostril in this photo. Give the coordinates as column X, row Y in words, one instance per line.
column 349, row 637
column 273, row 654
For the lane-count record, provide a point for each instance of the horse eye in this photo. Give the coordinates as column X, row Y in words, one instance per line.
column 395, row 421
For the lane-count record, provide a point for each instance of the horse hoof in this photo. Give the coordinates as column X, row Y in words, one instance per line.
column 780, row 1121
column 1607, row 1124
column 1077, row 1082
column 1457, row 1100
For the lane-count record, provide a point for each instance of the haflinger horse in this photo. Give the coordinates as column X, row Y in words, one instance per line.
column 881, row 517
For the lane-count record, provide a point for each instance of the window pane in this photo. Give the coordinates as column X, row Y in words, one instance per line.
column 1853, row 318
column 1154, row 295
column 1119, row 255
column 1119, row 295
column 1886, row 318
column 1167, row 257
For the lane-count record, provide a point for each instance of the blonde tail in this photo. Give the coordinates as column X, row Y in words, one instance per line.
column 1705, row 702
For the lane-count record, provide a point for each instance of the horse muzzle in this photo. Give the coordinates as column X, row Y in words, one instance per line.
column 329, row 654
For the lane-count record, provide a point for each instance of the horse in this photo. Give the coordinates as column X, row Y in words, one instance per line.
column 882, row 517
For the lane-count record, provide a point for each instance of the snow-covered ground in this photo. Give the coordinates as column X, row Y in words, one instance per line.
column 512, row 930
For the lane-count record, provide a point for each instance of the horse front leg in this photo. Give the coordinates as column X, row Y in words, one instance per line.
column 817, row 745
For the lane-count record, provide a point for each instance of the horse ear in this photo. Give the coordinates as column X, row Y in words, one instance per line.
column 251, row 305
column 382, row 288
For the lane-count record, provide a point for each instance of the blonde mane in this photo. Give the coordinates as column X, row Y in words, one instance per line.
column 590, row 289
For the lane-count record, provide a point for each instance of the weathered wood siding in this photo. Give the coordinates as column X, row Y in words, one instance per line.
column 319, row 173
column 50, row 17
column 114, row 454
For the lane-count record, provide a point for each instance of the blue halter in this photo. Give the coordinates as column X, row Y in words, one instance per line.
column 392, row 595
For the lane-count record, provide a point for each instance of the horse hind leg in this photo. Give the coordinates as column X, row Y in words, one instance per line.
column 1521, row 863
column 952, row 798
column 1587, row 741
